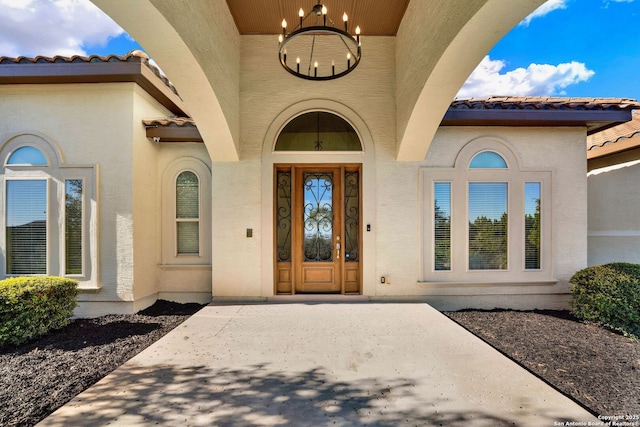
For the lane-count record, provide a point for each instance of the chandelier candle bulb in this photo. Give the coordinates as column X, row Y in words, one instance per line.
column 345, row 18
column 324, row 15
column 301, row 15
column 348, row 60
column 298, row 65
column 358, row 34
column 284, row 27
column 280, row 38
column 315, row 69
column 333, row 67
column 285, row 55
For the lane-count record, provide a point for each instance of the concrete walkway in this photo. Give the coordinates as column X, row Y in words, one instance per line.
column 317, row 364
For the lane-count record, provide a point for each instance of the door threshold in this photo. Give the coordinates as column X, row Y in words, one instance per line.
column 318, row 298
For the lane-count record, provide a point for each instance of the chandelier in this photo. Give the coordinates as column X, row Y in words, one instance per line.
column 319, row 51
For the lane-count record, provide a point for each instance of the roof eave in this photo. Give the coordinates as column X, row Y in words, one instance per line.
column 174, row 133
column 625, row 144
column 94, row 72
column 593, row 120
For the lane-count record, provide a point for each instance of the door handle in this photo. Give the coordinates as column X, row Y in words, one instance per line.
column 337, row 247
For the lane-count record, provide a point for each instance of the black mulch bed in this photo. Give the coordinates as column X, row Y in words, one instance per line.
column 39, row 377
column 598, row 368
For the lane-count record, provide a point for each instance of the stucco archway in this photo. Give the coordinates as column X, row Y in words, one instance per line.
column 439, row 43
column 435, row 54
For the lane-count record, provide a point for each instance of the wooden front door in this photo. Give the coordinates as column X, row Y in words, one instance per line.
column 317, row 229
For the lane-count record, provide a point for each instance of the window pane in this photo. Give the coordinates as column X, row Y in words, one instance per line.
column 26, row 227
column 488, row 160
column 318, row 131
column 187, row 195
column 442, row 225
column 188, row 207
column 27, row 156
column 488, row 225
column 532, row 225
column 73, row 226
column 188, row 238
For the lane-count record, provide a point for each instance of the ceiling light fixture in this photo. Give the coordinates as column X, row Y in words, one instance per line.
column 321, row 51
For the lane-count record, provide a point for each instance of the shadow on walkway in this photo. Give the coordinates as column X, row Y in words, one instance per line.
column 257, row 396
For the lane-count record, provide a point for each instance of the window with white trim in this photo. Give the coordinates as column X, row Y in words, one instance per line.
column 26, row 226
column 45, row 214
column 487, row 219
column 186, row 213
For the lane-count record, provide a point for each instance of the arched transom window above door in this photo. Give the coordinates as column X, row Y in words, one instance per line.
column 318, row 131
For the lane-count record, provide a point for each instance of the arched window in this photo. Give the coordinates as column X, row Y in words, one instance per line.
column 188, row 213
column 318, row 131
column 487, row 160
column 27, row 156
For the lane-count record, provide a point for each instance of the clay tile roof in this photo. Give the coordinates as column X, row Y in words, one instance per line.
column 170, row 122
column 544, row 103
column 615, row 134
column 133, row 56
column 172, row 129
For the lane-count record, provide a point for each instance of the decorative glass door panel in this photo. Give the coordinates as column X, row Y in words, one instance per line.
column 318, row 217
column 319, row 223
column 317, row 237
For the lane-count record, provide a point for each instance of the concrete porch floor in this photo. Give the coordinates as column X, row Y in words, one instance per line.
column 315, row 364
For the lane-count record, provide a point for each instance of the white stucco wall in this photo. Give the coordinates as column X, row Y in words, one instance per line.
column 614, row 229
column 146, row 196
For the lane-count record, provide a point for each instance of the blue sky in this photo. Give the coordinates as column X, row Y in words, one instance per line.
column 575, row 48
column 578, row 48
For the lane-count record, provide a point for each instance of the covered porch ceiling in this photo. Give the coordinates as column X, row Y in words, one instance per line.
column 375, row 17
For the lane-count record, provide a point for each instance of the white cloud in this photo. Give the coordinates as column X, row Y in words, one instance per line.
column 543, row 10
column 535, row 80
column 52, row 27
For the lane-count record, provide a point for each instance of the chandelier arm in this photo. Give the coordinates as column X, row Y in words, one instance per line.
column 313, row 45
column 347, row 46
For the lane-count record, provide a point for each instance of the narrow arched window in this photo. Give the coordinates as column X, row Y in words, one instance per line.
column 188, row 213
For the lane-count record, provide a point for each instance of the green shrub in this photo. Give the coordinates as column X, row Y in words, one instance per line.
column 32, row 306
column 609, row 295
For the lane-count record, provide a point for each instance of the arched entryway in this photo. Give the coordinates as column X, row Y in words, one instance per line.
column 318, row 157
